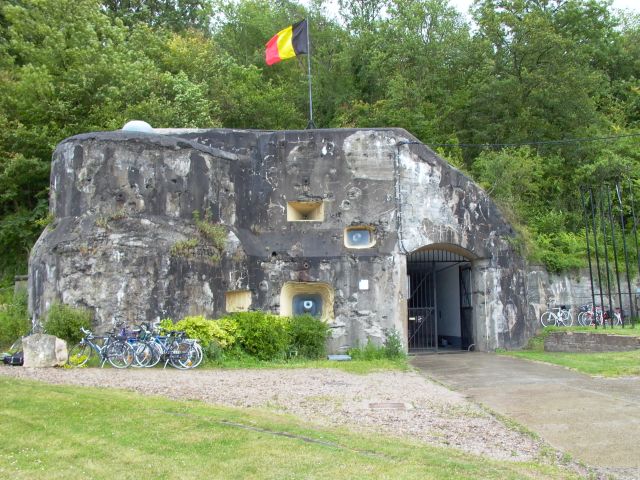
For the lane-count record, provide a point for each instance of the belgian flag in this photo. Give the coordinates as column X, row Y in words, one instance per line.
column 288, row 43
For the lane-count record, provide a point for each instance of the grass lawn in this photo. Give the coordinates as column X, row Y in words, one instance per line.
column 607, row 364
column 59, row 432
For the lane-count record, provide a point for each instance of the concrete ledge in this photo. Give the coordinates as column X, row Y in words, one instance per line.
column 589, row 342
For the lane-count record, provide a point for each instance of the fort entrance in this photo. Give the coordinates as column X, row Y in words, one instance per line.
column 440, row 313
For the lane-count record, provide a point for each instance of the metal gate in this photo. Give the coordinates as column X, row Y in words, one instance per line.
column 423, row 327
column 422, row 269
column 466, row 310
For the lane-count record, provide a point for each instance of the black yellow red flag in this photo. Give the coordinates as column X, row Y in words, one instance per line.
column 288, row 43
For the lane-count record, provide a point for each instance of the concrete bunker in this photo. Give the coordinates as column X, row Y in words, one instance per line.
column 327, row 222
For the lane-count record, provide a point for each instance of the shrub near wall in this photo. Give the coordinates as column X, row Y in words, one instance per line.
column 258, row 334
column 64, row 322
column 308, row 336
column 14, row 319
column 262, row 335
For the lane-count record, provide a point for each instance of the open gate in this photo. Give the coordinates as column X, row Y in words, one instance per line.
column 426, row 270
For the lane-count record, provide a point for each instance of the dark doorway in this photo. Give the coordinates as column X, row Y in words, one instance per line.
column 439, row 306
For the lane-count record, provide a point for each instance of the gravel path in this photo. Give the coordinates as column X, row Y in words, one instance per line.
column 403, row 404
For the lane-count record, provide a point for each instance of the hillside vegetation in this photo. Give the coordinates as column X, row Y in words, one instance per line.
column 516, row 71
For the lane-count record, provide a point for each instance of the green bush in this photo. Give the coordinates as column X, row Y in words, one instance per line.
column 197, row 327
column 14, row 319
column 65, row 321
column 370, row 351
column 391, row 348
column 223, row 332
column 213, row 351
column 393, row 344
column 262, row 335
column 308, row 336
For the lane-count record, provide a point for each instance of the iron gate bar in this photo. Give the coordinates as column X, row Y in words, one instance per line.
column 449, row 266
column 586, row 231
column 606, row 254
column 626, row 256
column 615, row 258
column 595, row 241
column 438, row 256
column 635, row 234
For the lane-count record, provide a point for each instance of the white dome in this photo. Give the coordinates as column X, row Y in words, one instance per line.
column 137, row 126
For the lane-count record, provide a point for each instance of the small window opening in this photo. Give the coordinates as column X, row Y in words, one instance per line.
column 237, row 301
column 359, row 237
column 305, row 211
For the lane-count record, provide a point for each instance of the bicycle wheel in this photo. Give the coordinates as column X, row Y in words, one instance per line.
column 618, row 318
column 565, row 318
column 198, row 353
column 156, row 354
column 120, row 354
column 79, row 354
column 183, row 356
column 585, row 318
column 142, row 354
column 548, row 318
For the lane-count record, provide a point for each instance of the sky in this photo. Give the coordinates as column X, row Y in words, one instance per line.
column 633, row 5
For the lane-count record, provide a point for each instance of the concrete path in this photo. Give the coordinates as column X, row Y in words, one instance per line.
column 596, row 420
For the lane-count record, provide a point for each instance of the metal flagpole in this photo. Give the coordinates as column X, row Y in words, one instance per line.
column 310, row 124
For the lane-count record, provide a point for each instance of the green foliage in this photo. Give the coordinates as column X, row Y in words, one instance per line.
column 393, row 344
column 208, row 331
column 263, row 335
column 390, row 349
column 370, row 351
column 184, row 248
column 214, row 233
column 308, row 336
column 14, row 319
column 416, row 64
column 65, row 321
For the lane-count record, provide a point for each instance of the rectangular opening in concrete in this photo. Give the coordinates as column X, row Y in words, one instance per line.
column 359, row 237
column 312, row 298
column 312, row 211
column 237, row 301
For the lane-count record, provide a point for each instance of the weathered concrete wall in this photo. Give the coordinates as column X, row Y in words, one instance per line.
column 572, row 290
column 123, row 201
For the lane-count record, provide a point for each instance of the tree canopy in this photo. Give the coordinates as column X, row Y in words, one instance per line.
column 516, row 71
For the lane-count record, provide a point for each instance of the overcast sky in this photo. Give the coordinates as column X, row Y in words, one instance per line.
column 633, row 5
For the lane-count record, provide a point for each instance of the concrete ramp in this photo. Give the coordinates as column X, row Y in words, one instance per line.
column 595, row 420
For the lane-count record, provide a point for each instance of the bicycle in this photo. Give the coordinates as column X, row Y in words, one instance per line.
column 175, row 349
column 114, row 349
column 557, row 316
column 590, row 316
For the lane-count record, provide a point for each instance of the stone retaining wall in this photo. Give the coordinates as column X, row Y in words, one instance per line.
column 589, row 342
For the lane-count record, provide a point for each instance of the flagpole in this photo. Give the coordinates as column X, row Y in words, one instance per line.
column 310, row 124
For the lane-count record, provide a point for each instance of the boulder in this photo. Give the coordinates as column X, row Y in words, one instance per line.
column 42, row 350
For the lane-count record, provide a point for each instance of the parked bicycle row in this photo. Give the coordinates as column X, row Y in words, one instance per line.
column 562, row 316
column 142, row 347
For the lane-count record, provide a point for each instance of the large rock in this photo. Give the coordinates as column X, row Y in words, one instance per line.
column 42, row 350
